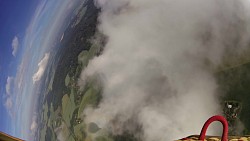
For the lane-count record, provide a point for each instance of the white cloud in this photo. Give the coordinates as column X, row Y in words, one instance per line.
column 33, row 125
column 9, row 84
column 41, row 68
column 8, row 104
column 8, row 98
column 15, row 44
column 154, row 71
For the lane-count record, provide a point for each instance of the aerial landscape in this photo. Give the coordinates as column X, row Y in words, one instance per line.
column 123, row 70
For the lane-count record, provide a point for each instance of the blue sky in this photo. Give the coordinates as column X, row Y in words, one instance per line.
column 14, row 18
column 29, row 30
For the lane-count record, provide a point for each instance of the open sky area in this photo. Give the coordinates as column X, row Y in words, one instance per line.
column 15, row 17
column 28, row 32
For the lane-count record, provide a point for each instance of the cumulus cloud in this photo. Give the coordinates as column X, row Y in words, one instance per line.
column 41, row 68
column 157, row 66
column 9, row 101
column 9, row 84
column 33, row 125
column 15, row 45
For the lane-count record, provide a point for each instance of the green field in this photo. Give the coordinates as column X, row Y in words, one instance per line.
column 68, row 117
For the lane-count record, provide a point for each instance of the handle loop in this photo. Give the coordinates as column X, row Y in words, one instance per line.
column 209, row 121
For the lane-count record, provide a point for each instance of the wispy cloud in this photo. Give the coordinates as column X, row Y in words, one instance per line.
column 15, row 45
column 41, row 68
column 9, row 84
column 8, row 105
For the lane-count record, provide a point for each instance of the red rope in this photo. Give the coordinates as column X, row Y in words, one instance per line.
column 209, row 121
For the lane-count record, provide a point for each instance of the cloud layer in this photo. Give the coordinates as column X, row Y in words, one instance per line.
column 157, row 66
column 41, row 68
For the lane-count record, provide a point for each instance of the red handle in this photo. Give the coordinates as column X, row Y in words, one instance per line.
column 209, row 121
